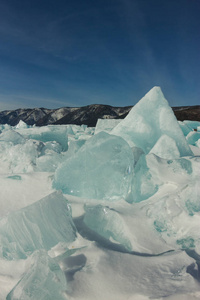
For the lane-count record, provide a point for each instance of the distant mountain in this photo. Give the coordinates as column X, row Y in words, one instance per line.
column 87, row 115
column 191, row 113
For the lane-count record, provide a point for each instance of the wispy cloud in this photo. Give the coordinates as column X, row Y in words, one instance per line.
column 86, row 54
column 59, row 33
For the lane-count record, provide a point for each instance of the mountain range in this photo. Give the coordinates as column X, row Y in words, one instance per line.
column 87, row 115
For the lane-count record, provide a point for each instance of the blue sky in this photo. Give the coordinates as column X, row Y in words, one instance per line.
column 80, row 52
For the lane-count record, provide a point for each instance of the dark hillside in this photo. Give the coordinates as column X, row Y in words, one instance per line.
column 87, row 115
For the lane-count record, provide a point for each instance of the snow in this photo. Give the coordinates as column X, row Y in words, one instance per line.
column 111, row 215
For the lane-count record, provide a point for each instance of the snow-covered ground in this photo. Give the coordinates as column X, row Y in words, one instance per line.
column 111, row 212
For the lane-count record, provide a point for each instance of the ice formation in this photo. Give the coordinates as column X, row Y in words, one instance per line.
column 193, row 137
column 150, row 120
column 106, row 125
column 43, row 280
column 46, row 134
column 101, row 169
column 107, row 223
column 185, row 128
column 111, row 212
column 40, row 225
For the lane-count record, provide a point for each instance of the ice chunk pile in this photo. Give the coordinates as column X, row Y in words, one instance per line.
column 34, row 149
column 176, row 217
column 193, row 137
column 12, row 137
column 46, row 134
column 152, row 172
column 193, row 125
column 185, row 128
column 111, row 212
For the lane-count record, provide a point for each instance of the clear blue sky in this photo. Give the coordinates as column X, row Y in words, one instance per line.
column 78, row 52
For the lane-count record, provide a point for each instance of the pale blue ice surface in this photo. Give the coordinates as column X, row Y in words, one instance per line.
column 146, row 160
column 101, row 169
column 43, row 280
column 40, row 225
column 148, row 121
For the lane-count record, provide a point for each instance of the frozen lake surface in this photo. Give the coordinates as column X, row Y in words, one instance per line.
column 111, row 212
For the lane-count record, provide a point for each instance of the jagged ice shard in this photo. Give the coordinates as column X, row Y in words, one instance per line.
column 109, row 224
column 101, row 169
column 40, row 225
column 43, row 280
column 124, row 220
column 152, row 123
